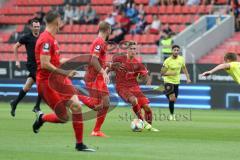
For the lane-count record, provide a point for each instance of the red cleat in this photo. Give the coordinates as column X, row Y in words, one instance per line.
column 98, row 134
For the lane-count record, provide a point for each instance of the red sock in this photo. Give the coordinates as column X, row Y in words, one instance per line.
column 88, row 101
column 51, row 117
column 148, row 116
column 77, row 124
column 101, row 115
column 137, row 111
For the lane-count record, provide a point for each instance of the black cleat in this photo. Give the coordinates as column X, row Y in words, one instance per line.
column 82, row 147
column 13, row 108
column 36, row 109
column 38, row 122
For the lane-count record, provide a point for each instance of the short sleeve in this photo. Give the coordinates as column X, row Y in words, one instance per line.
column 46, row 47
column 165, row 64
column 142, row 69
column 98, row 48
column 23, row 40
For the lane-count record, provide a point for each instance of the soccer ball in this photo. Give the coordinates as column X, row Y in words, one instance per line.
column 137, row 125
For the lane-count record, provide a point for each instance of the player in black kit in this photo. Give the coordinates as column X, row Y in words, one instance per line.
column 29, row 40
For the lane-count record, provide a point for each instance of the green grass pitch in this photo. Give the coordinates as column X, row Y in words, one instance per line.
column 208, row 135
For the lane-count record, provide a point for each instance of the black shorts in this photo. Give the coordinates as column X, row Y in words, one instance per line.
column 171, row 89
column 32, row 74
column 32, row 71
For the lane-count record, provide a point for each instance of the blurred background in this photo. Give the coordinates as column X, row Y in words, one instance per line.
column 205, row 29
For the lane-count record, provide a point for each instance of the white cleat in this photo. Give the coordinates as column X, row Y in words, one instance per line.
column 172, row 117
column 154, row 130
column 147, row 125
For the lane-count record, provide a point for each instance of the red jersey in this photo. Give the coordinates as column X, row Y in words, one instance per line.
column 99, row 49
column 127, row 77
column 46, row 45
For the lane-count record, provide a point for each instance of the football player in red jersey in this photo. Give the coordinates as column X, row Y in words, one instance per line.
column 96, row 78
column 64, row 103
column 129, row 72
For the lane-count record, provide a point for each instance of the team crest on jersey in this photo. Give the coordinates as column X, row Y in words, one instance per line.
column 97, row 48
column 46, row 47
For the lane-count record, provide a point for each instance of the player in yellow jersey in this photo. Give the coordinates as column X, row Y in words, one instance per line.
column 231, row 66
column 171, row 71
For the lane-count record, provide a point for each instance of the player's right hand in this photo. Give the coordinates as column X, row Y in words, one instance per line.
column 71, row 73
column 206, row 73
column 106, row 77
column 18, row 64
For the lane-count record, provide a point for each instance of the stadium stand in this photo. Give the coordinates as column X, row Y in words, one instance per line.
column 216, row 55
column 75, row 39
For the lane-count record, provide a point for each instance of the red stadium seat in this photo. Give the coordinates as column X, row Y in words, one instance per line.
column 181, row 28
column 193, row 9
column 174, row 28
column 164, row 19
column 149, row 18
column 162, row 9
column 128, row 37
column 202, row 9
column 185, row 9
column 169, row 9
column 141, row 1
column 186, row 19
column 177, row 9
column 151, row 10
column 209, row 9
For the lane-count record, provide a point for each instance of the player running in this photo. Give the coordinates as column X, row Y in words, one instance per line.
column 96, row 78
column 231, row 66
column 65, row 105
column 29, row 40
column 170, row 71
column 129, row 72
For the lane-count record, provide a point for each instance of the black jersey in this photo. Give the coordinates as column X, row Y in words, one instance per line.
column 29, row 40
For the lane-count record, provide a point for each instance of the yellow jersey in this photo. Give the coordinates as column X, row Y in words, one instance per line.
column 173, row 65
column 234, row 71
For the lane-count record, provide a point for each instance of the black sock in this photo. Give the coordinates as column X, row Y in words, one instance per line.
column 21, row 94
column 37, row 106
column 171, row 107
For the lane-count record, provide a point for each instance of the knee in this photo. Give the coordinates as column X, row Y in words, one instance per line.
column 64, row 118
column 26, row 88
column 172, row 98
column 147, row 108
column 75, row 108
column 133, row 101
column 106, row 102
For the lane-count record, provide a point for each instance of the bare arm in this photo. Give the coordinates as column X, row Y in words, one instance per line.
column 63, row 60
column 46, row 64
column 217, row 68
column 185, row 71
column 15, row 51
column 95, row 63
column 144, row 78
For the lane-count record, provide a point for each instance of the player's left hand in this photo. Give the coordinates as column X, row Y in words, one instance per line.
column 139, row 78
column 207, row 73
column 149, row 82
column 72, row 73
column 189, row 81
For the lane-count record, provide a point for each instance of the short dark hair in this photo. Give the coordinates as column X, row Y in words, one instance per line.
column 34, row 20
column 131, row 43
column 175, row 46
column 51, row 16
column 230, row 56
